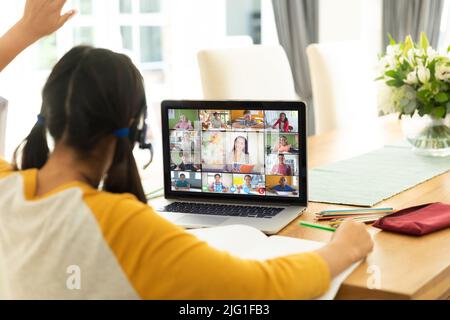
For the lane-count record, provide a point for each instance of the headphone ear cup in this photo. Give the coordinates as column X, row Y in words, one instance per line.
column 133, row 136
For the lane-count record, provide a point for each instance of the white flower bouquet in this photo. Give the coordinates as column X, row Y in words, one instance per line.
column 419, row 78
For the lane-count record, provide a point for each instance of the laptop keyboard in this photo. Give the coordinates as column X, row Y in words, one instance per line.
column 223, row 210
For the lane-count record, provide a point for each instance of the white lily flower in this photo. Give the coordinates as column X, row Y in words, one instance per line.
column 393, row 50
column 411, row 78
column 419, row 52
column 388, row 62
column 442, row 72
column 432, row 54
column 423, row 73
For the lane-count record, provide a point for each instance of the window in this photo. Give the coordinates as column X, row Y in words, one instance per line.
column 83, row 35
column 125, row 6
column 151, row 50
column 46, row 53
column 140, row 24
column 127, row 37
column 150, row 6
column 138, row 29
column 84, row 6
column 244, row 19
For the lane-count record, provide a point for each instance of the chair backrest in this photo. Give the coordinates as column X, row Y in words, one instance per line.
column 3, row 113
column 253, row 72
column 344, row 90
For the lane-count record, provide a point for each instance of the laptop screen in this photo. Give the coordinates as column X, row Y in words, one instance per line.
column 245, row 152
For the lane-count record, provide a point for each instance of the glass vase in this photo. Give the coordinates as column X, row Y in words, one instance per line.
column 427, row 135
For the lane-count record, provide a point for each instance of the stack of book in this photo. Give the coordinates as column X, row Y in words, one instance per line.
column 336, row 217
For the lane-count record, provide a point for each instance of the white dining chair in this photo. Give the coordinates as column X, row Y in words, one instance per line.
column 3, row 114
column 252, row 72
column 344, row 90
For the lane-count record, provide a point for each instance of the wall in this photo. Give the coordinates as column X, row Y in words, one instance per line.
column 238, row 16
column 349, row 20
column 191, row 25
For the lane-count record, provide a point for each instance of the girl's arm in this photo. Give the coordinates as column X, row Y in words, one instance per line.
column 40, row 18
column 275, row 124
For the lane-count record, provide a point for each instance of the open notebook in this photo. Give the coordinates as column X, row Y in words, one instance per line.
column 250, row 243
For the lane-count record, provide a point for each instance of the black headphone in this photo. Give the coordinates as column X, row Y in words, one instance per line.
column 138, row 134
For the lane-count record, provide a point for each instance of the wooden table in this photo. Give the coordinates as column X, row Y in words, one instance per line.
column 409, row 267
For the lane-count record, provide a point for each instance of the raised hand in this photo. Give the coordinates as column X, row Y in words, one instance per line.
column 43, row 17
column 40, row 18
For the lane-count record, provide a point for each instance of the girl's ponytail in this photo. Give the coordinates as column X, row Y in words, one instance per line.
column 35, row 149
column 123, row 176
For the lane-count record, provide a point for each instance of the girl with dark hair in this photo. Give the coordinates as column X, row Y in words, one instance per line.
column 282, row 123
column 238, row 156
column 83, row 111
column 75, row 223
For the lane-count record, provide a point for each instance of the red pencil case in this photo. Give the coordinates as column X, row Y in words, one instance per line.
column 419, row 220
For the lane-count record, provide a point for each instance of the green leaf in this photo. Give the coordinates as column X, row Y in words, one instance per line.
column 427, row 108
column 439, row 112
column 424, row 43
column 392, row 41
column 441, row 97
column 423, row 95
column 421, row 112
column 392, row 74
column 448, row 49
column 394, row 83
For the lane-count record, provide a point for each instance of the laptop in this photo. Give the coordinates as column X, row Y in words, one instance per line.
column 234, row 162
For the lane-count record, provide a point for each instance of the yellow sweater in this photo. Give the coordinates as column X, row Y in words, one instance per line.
column 122, row 249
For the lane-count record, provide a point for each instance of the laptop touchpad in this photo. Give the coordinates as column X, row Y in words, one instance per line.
column 203, row 221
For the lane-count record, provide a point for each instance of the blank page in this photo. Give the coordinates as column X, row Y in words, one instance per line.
column 235, row 239
column 249, row 243
column 278, row 246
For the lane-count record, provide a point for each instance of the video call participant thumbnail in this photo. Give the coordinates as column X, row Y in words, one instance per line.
column 238, row 156
column 183, row 162
column 282, row 143
column 281, row 168
column 282, row 121
column 248, row 121
column 282, row 186
column 183, row 119
column 184, row 124
column 182, row 183
column 235, row 152
column 186, row 181
column 249, row 184
column 215, row 119
column 217, row 182
column 185, row 150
